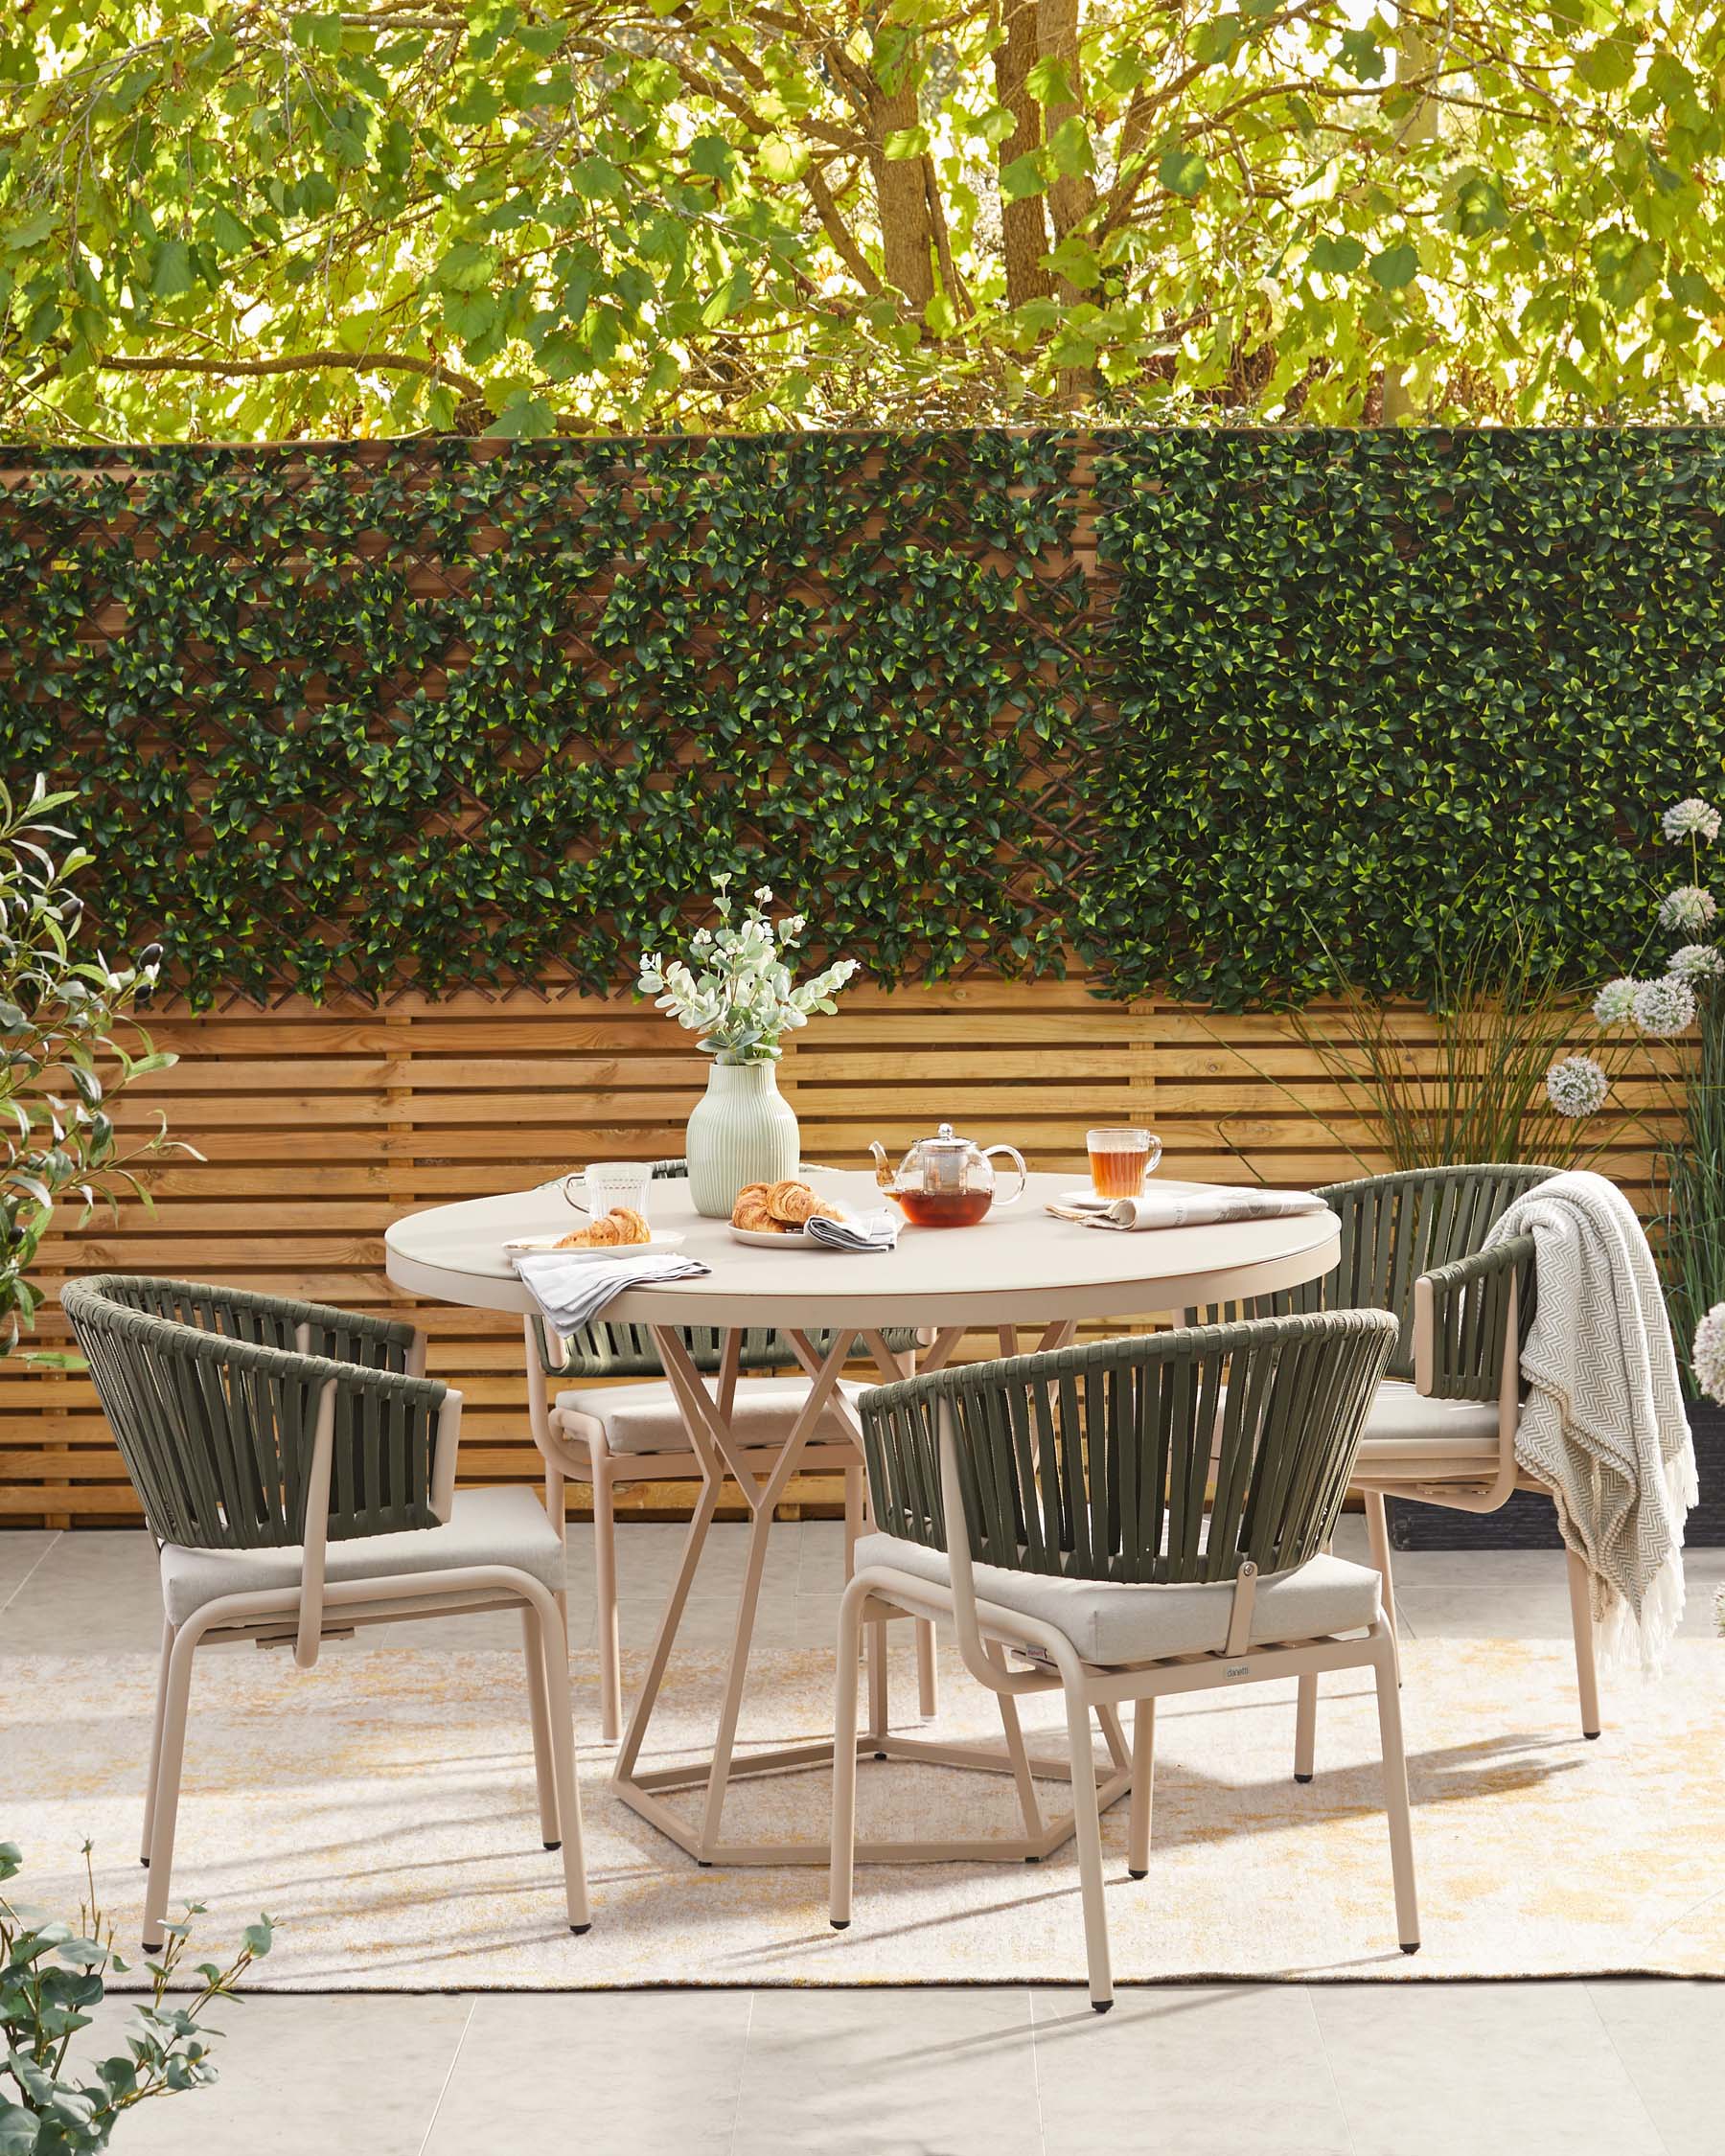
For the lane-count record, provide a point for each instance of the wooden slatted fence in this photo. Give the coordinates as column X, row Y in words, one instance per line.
column 322, row 1124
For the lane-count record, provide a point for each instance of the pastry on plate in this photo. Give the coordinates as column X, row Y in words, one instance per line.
column 610, row 1230
column 791, row 1202
column 750, row 1212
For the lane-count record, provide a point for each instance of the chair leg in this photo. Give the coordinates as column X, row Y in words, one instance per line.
column 604, row 1597
column 558, row 1507
column 1587, row 1675
column 554, row 1670
column 1087, row 1821
column 155, row 1742
column 927, row 1682
column 1305, row 1726
column 844, row 1758
column 1395, row 1795
column 1143, row 1770
column 176, row 1694
column 1377, row 1528
column 543, row 1774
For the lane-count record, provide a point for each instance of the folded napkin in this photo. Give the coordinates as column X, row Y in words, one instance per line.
column 1195, row 1205
column 572, row 1290
column 872, row 1231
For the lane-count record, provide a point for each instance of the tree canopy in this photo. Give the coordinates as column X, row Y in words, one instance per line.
column 246, row 218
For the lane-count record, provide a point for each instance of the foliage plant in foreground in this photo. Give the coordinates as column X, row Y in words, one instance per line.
column 51, row 1982
column 69, row 1044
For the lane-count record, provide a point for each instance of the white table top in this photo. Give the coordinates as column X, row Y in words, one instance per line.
column 1019, row 1266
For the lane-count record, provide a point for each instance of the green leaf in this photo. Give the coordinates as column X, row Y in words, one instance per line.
column 171, row 269
column 904, row 142
column 1336, row 254
column 1395, row 266
column 1023, row 177
column 1183, row 172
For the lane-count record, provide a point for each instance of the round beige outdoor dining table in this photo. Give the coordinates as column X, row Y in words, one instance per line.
column 1019, row 1267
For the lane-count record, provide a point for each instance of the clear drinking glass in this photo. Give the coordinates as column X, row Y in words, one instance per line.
column 1119, row 1161
column 608, row 1185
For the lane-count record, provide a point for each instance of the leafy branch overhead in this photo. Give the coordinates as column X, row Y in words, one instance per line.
column 278, row 220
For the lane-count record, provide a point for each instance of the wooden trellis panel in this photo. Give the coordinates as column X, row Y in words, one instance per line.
column 321, row 1124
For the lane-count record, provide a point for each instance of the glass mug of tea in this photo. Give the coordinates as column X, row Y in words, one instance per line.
column 1119, row 1161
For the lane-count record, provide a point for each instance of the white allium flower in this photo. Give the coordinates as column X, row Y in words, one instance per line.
column 1691, row 905
column 1663, row 1008
column 1577, row 1087
column 1707, row 1357
column 1692, row 819
column 1697, row 961
column 1615, row 1002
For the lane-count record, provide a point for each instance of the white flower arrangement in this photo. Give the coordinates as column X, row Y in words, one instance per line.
column 1663, row 1008
column 743, row 999
column 1692, row 819
column 1577, row 1087
column 1616, row 1001
column 1697, row 961
column 1691, row 906
column 1707, row 1357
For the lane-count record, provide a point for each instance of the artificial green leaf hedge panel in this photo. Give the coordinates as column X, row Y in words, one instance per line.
column 1373, row 688
column 430, row 713
column 449, row 714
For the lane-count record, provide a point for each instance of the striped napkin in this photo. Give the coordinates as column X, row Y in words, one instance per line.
column 571, row 1290
column 872, row 1231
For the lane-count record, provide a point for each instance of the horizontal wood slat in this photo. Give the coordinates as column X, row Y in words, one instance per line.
column 320, row 1125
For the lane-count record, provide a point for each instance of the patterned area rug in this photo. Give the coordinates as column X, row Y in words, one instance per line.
column 381, row 1808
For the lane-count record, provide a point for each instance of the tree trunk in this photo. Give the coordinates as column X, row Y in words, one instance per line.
column 1072, row 198
column 1412, row 56
column 1023, row 228
column 906, row 235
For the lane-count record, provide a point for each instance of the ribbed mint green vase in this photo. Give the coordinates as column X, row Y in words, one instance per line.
column 742, row 1131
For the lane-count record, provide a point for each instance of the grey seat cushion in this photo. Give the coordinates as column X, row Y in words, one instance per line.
column 645, row 1418
column 485, row 1527
column 1406, row 1426
column 1109, row 1623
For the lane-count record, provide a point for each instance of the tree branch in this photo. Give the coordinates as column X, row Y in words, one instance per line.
column 293, row 362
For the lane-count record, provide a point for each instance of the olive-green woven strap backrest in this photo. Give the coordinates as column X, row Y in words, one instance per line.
column 1393, row 1228
column 1095, row 1462
column 608, row 1349
column 214, row 1407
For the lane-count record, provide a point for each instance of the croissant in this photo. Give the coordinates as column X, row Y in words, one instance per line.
column 633, row 1224
column 792, row 1203
column 606, row 1232
column 751, row 1213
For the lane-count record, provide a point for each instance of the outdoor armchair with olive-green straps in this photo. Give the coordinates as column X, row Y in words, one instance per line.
column 1442, row 1429
column 1136, row 1518
column 297, row 1469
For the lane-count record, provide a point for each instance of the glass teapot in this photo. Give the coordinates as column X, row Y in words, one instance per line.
column 946, row 1181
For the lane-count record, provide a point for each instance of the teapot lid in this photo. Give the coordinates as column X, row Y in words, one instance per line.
column 945, row 1140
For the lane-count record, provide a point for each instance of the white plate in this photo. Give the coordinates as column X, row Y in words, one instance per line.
column 525, row 1246
column 764, row 1239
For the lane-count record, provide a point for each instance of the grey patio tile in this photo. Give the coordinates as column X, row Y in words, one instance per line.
column 21, row 1551
column 341, row 2076
column 889, row 2073
column 1671, row 2040
column 587, row 2073
column 1224, row 2070
column 1477, row 2069
column 95, row 1592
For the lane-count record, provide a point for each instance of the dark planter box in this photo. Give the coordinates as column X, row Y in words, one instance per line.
column 1530, row 1522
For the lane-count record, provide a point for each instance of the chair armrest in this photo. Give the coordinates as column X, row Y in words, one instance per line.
column 1461, row 1317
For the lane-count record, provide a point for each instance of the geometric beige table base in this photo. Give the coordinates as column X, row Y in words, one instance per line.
column 1018, row 1268
column 707, row 1415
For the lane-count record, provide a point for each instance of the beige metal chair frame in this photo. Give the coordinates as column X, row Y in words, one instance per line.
column 1435, row 1479
column 984, row 1629
column 316, row 1607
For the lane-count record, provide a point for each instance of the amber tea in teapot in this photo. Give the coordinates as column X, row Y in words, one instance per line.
column 945, row 1180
